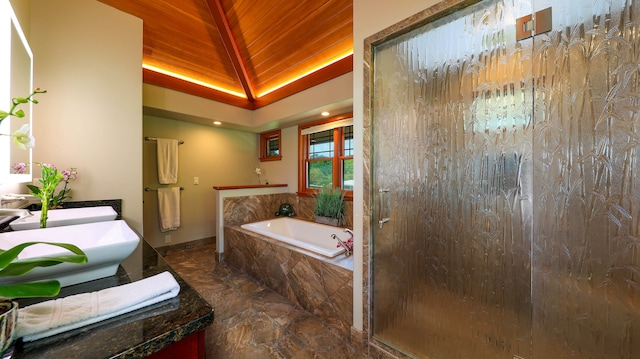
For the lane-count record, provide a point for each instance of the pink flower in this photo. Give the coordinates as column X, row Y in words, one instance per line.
column 69, row 175
column 19, row 167
column 348, row 243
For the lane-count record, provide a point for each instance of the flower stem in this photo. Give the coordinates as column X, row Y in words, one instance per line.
column 44, row 212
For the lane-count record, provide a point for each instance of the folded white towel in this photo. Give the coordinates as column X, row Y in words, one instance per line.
column 167, row 160
column 169, row 208
column 60, row 315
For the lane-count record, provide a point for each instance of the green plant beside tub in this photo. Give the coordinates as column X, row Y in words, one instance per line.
column 11, row 266
column 329, row 207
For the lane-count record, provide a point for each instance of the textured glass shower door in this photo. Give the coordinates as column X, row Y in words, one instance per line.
column 586, row 247
column 452, row 151
column 509, row 175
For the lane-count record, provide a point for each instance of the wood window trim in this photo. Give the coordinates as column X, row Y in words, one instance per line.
column 264, row 140
column 303, row 148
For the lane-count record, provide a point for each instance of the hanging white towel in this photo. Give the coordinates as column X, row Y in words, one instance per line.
column 169, row 208
column 60, row 315
column 167, row 160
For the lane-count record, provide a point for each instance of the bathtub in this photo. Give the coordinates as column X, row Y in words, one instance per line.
column 307, row 235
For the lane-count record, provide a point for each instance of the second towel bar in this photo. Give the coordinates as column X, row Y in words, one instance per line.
column 147, row 189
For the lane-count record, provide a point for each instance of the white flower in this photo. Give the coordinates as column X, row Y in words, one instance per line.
column 258, row 171
column 23, row 139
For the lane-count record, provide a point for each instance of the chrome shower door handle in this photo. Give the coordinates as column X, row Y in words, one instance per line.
column 383, row 209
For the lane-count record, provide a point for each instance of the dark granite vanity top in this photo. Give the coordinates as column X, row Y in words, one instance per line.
column 133, row 335
column 116, row 204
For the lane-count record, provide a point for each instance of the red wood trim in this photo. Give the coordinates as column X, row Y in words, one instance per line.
column 217, row 13
column 272, row 158
column 330, row 72
column 221, row 188
column 325, row 120
column 166, row 81
column 302, row 165
column 303, row 148
column 264, row 138
column 337, row 149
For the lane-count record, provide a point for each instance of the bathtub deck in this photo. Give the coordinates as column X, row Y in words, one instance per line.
column 341, row 260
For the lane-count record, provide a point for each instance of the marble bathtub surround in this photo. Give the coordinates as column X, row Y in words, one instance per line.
column 322, row 286
column 222, row 193
column 240, row 210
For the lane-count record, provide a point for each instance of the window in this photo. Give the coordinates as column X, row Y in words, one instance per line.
column 326, row 155
column 270, row 146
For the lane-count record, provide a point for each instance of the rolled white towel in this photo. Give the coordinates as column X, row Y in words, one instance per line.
column 60, row 315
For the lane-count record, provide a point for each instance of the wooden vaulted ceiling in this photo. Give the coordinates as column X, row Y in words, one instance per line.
column 245, row 53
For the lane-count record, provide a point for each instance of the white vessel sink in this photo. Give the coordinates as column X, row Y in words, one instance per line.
column 106, row 244
column 66, row 217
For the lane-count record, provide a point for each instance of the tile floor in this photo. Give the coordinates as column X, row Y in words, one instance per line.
column 251, row 320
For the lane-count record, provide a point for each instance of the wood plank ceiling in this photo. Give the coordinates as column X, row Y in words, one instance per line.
column 247, row 53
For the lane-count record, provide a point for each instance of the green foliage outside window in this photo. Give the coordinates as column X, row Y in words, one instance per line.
column 320, row 174
column 347, row 174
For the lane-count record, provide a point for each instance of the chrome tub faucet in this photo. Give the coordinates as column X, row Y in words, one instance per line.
column 348, row 246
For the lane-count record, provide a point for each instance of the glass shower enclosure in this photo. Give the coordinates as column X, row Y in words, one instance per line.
column 505, row 188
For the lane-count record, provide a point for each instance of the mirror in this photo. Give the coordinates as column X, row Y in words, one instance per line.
column 18, row 68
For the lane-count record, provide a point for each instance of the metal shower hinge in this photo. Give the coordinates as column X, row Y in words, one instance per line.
column 537, row 23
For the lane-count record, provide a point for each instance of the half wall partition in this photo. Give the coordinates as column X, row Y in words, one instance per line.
column 505, row 193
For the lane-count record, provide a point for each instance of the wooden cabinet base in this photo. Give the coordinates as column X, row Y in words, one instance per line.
column 191, row 347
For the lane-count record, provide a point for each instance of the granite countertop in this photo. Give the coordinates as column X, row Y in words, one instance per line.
column 133, row 335
column 224, row 188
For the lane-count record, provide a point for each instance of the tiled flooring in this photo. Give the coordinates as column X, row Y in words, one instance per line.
column 252, row 321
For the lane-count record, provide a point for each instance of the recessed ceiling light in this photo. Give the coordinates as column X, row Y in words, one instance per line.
column 217, row 123
column 325, row 113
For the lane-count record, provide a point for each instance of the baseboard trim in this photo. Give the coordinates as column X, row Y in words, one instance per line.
column 179, row 247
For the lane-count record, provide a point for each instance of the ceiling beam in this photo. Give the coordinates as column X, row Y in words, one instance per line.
column 220, row 18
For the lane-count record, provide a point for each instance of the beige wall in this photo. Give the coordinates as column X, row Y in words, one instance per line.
column 163, row 102
column 218, row 157
column 88, row 57
column 369, row 17
column 334, row 96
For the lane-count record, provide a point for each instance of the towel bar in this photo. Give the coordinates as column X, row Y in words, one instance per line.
column 147, row 189
column 180, row 142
